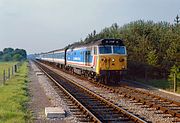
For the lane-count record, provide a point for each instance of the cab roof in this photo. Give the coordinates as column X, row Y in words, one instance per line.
column 106, row 41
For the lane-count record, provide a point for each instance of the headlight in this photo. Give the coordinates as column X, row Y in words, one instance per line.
column 121, row 60
column 104, row 60
column 113, row 60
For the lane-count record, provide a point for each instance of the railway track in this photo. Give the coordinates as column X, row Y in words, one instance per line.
column 152, row 101
column 165, row 105
column 93, row 106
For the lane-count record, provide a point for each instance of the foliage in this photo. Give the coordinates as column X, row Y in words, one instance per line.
column 1, row 54
column 152, row 58
column 9, row 54
column 8, row 50
column 174, row 70
column 6, row 57
column 17, row 57
column 156, row 45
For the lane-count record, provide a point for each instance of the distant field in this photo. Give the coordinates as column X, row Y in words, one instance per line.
column 5, row 66
column 13, row 96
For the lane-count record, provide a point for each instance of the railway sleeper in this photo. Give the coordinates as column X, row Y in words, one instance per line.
column 79, row 114
column 102, row 107
column 151, row 95
column 73, row 106
column 84, row 120
column 108, row 114
column 93, row 105
column 175, row 108
column 115, row 119
column 92, row 101
column 87, row 98
column 166, row 110
column 105, row 110
column 150, row 104
column 75, row 110
column 155, row 96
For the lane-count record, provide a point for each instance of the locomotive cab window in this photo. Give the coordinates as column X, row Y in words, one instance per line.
column 105, row 50
column 119, row 50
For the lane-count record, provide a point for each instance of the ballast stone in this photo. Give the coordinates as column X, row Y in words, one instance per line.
column 54, row 112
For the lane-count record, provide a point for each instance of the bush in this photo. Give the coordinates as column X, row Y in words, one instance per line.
column 174, row 70
column 9, row 54
column 17, row 57
column 6, row 57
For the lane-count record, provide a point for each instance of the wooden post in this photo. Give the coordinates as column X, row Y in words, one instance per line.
column 15, row 68
column 9, row 73
column 12, row 70
column 175, row 86
column 4, row 76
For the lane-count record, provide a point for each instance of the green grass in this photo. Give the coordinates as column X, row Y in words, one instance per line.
column 162, row 84
column 13, row 97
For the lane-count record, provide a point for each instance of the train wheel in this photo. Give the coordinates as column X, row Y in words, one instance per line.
column 101, row 80
column 96, row 78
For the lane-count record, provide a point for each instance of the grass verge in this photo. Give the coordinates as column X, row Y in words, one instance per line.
column 13, row 98
column 162, row 84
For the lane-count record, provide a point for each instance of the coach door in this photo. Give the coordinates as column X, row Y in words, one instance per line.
column 87, row 57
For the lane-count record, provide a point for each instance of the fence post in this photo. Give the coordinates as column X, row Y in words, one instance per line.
column 4, row 77
column 12, row 71
column 9, row 73
column 15, row 68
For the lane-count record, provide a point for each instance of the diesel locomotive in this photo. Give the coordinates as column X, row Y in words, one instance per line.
column 104, row 60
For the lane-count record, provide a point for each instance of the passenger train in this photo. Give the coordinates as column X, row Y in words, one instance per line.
column 104, row 60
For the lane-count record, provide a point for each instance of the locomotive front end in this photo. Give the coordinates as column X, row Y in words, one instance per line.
column 112, row 61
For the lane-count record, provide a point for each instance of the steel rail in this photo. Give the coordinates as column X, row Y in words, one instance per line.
column 84, row 109
column 145, row 102
column 93, row 117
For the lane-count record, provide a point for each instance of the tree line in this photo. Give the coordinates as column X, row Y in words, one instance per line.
column 10, row 54
column 153, row 48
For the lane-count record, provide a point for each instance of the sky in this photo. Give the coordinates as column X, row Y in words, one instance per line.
column 44, row 25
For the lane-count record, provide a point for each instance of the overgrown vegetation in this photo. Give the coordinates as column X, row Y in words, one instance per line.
column 9, row 54
column 5, row 66
column 13, row 96
column 153, row 48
